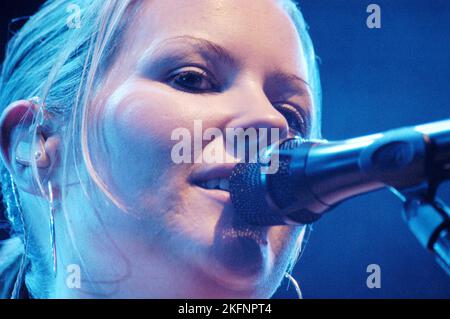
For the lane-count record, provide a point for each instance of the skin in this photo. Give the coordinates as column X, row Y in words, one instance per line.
column 170, row 242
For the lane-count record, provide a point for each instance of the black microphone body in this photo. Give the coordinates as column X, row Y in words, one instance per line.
column 313, row 177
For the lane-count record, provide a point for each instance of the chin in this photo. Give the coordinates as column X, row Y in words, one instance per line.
column 238, row 265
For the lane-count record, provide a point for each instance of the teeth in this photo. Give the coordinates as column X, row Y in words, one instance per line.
column 217, row 183
column 212, row 183
column 224, row 184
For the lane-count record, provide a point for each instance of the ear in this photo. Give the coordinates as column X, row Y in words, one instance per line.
column 21, row 143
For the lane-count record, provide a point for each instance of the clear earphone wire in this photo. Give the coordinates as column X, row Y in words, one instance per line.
column 295, row 284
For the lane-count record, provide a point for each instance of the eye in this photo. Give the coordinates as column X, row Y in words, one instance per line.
column 296, row 118
column 193, row 80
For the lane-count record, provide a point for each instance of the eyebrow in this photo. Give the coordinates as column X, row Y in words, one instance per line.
column 295, row 81
column 206, row 48
column 295, row 84
column 204, row 45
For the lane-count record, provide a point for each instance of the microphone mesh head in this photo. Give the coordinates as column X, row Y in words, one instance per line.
column 282, row 187
column 248, row 194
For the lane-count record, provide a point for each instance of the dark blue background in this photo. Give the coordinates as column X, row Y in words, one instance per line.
column 373, row 80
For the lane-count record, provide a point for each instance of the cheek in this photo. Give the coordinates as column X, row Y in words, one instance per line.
column 137, row 122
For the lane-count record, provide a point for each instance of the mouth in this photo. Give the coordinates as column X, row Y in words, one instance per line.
column 240, row 253
column 213, row 177
column 216, row 183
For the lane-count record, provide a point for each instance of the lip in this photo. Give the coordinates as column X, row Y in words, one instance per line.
column 219, row 195
column 208, row 172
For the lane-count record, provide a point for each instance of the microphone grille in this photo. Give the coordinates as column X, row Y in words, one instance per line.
column 282, row 187
column 248, row 194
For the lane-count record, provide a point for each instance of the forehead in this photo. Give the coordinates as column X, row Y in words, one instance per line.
column 258, row 32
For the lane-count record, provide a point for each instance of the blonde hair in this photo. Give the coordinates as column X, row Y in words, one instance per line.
column 64, row 66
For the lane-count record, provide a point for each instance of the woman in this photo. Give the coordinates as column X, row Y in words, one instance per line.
column 91, row 189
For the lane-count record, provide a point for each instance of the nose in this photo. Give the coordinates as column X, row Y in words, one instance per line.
column 255, row 117
column 254, row 110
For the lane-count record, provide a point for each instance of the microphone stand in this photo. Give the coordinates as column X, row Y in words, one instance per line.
column 428, row 219
column 427, row 216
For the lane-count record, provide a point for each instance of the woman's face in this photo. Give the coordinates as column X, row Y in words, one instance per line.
column 229, row 64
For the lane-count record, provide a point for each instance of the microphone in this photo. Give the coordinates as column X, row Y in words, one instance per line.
column 315, row 176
